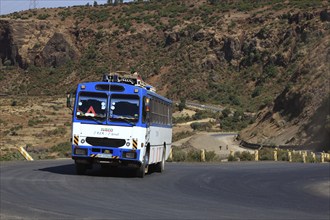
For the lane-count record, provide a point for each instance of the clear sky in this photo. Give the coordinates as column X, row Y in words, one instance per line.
column 9, row 6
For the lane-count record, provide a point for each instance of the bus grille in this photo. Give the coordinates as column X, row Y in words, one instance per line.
column 105, row 142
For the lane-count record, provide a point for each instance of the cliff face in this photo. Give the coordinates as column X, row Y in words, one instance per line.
column 26, row 43
column 266, row 56
column 8, row 49
column 300, row 115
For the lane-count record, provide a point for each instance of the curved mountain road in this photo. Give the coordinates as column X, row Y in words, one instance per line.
column 50, row 189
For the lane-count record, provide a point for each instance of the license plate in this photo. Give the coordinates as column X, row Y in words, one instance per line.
column 104, row 155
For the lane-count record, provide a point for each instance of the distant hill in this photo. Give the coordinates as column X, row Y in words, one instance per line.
column 264, row 57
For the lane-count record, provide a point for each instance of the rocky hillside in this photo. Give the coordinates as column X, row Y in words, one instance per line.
column 300, row 115
column 267, row 56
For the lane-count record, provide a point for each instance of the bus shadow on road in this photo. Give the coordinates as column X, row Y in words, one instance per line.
column 97, row 171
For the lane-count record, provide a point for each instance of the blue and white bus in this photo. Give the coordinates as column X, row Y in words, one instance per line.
column 120, row 121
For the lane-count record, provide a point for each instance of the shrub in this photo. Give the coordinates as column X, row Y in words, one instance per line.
column 57, row 131
column 194, row 155
column 14, row 103
column 232, row 158
column 256, row 92
column 266, row 154
column 182, row 135
column 64, row 14
column 226, row 112
column 10, row 155
column 296, row 157
column 178, row 154
column 210, row 156
column 201, row 126
column 244, row 156
column 201, row 114
column 282, row 155
column 182, row 104
column 43, row 16
column 33, row 122
column 64, row 149
column 270, row 71
column 181, row 119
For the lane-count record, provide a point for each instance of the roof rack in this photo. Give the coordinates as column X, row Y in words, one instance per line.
column 127, row 78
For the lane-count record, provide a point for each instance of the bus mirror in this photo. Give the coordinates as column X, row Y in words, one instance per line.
column 69, row 100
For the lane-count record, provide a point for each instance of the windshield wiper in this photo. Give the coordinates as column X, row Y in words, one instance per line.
column 96, row 120
column 125, row 119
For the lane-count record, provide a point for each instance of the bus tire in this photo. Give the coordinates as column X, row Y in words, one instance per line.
column 143, row 169
column 160, row 167
column 81, row 168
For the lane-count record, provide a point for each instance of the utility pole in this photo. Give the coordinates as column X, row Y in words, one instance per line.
column 33, row 4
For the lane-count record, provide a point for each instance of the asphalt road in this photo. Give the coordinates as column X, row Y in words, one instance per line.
column 254, row 190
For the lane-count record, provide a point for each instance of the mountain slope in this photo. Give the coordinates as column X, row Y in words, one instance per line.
column 300, row 114
column 267, row 56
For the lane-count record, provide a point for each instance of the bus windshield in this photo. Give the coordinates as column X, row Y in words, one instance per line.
column 124, row 108
column 92, row 106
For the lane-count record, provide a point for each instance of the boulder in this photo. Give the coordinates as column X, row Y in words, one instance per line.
column 57, row 51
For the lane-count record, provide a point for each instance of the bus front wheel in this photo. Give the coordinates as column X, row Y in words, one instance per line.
column 81, row 168
column 143, row 169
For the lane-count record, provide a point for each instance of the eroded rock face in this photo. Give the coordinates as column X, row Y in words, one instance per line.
column 325, row 15
column 8, row 50
column 57, row 51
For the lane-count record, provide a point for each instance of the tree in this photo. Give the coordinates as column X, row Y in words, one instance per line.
column 182, row 104
column 225, row 112
column 95, row 3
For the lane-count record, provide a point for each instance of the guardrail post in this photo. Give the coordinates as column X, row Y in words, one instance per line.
column 322, row 157
column 256, row 155
column 313, row 156
column 290, row 156
column 327, row 155
column 231, row 153
column 203, row 155
column 275, row 155
column 25, row 154
column 304, row 154
column 170, row 156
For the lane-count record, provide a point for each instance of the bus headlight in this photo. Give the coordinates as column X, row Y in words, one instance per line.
column 80, row 151
column 129, row 155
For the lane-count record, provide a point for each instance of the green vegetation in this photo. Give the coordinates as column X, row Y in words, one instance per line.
column 182, row 119
column 235, row 122
column 63, row 149
column 37, row 120
column 9, row 155
column 267, row 154
column 201, row 126
column 59, row 131
column 193, row 155
column 184, row 47
column 64, row 14
column 181, row 135
column 43, row 16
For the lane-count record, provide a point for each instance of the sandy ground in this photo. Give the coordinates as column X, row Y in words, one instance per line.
column 32, row 120
column 221, row 143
